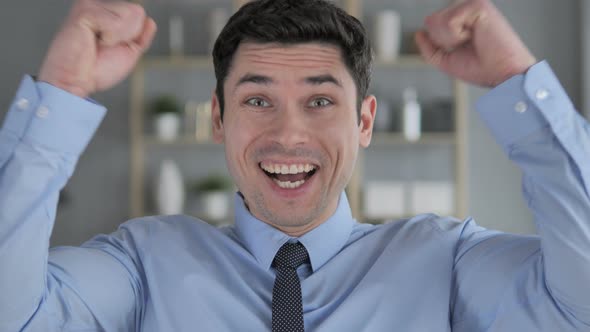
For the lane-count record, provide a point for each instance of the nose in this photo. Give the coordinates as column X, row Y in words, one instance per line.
column 290, row 128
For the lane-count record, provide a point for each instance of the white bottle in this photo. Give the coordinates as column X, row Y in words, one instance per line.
column 387, row 35
column 412, row 115
column 176, row 36
column 170, row 189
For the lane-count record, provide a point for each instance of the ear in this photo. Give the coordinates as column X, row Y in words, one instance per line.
column 216, row 120
column 368, row 109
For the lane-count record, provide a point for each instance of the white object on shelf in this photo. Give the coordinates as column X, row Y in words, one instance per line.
column 176, row 36
column 432, row 197
column 412, row 115
column 167, row 126
column 384, row 199
column 388, row 35
column 214, row 206
column 218, row 17
column 190, row 118
column 383, row 118
column 203, row 125
column 170, row 192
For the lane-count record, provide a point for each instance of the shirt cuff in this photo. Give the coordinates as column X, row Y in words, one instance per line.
column 21, row 109
column 59, row 120
column 524, row 104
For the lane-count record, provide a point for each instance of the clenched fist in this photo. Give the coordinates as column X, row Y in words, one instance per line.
column 472, row 40
column 98, row 46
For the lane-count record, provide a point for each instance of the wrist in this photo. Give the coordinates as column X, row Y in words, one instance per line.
column 74, row 89
column 518, row 68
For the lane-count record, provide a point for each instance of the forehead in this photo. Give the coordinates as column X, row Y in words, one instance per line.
column 293, row 59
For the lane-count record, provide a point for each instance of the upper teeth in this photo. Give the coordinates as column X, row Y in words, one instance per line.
column 287, row 169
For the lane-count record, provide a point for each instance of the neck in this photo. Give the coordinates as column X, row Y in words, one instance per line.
column 297, row 231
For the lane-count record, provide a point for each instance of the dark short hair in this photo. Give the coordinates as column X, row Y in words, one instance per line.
column 294, row 22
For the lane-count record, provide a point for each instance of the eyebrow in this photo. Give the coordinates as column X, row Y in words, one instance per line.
column 266, row 80
column 321, row 79
column 256, row 79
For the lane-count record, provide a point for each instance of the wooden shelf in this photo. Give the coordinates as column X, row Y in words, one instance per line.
column 379, row 139
column 382, row 138
column 195, row 62
column 378, row 221
column 181, row 141
column 404, row 61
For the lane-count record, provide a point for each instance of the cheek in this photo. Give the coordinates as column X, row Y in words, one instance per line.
column 340, row 140
column 238, row 140
column 342, row 133
column 236, row 164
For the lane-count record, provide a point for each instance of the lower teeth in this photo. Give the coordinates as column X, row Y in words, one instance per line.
column 289, row 184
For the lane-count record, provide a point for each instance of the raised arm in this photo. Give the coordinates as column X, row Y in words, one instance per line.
column 505, row 282
column 46, row 129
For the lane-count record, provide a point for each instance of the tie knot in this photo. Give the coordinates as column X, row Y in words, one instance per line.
column 291, row 255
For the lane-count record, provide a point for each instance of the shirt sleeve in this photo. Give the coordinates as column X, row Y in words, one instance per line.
column 507, row 282
column 44, row 132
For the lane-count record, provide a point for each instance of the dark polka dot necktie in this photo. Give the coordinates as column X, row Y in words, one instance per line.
column 287, row 308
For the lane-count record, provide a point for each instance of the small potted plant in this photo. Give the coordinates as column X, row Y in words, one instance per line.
column 213, row 197
column 166, row 110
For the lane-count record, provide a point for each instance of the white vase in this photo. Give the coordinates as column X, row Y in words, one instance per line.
column 214, row 205
column 412, row 115
column 176, row 36
column 388, row 35
column 167, row 126
column 170, row 189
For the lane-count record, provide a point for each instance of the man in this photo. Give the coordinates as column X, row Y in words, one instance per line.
column 292, row 110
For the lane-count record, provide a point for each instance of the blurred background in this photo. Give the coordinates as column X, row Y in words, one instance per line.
column 139, row 165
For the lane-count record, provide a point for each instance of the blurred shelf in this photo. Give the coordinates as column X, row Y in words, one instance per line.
column 383, row 138
column 380, row 221
column 181, row 141
column 403, row 61
column 379, row 139
column 386, row 220
column 195, row 62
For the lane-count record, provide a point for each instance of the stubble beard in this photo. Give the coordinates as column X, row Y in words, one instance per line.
column 286, row 219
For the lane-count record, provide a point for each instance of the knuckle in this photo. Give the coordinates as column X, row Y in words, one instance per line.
column 429, row 21
column 84, row 12
column 437, row 21
column 136, row 10
column 479, row 6
column 455, row 24
column 84, row 5
column 85, row 17
column 482, row 3
column 451, row 23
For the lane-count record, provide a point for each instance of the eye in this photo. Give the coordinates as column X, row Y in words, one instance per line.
column 320, row 102
column 257, row 102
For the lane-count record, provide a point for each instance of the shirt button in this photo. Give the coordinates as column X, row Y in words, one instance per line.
column 542, row 94
column 22, row 104
column 521, row 107
column 42, row 112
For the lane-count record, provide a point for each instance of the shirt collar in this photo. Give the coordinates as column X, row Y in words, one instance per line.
column 322, row 243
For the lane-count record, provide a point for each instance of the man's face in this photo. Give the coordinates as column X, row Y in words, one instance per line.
column 291, row 131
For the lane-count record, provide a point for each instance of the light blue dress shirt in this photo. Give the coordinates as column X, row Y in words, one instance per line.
column 175, row 273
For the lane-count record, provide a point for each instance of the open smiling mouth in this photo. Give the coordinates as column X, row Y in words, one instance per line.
column 289, row 176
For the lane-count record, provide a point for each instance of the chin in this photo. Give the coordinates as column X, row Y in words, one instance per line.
column 293, row 215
